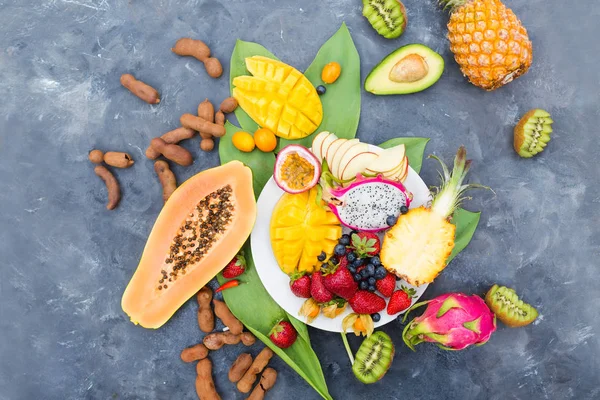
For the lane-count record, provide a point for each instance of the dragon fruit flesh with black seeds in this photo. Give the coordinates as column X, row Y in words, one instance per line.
column 367, row 202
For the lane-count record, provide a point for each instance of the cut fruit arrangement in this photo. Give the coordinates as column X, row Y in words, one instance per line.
column 347, row 231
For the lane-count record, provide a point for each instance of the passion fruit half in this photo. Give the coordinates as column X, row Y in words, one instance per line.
column 296, row 169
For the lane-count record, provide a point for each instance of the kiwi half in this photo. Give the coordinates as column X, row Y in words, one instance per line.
column 532, row 133
column 387, row 17
column 373, row 358
column 509, row 309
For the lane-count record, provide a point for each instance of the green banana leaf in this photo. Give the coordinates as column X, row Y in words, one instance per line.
column 341, row 103
column 466, row 223
column 251, row 303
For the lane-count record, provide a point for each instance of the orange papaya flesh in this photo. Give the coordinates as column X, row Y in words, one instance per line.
column 199, row 230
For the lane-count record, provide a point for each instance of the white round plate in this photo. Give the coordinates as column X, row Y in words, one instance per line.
column 277, row 282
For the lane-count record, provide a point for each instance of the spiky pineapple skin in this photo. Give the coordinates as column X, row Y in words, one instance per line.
column 489, row 42
column 417, row 247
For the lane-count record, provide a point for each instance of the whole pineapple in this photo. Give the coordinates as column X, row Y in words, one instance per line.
column 489, row 42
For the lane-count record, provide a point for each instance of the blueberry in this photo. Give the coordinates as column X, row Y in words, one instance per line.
column 371, row 288
column 321, row 89
column 380, row 273
column 345, row 240
column 370, row 268
column 324, row 266
column 352, row 269
column 364, row 273
column 339, row 250
column 351, row 257
column 321, row 257
column 363, row 285
column 391, row 220
column 357, row 277
column 375, row 317
column 403, row 209
column 376, row 261
column 358, row 262
column 371, row 281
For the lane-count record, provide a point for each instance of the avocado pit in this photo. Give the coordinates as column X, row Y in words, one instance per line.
column 411, row 68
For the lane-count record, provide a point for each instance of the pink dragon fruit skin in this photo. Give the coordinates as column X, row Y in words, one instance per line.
column 380, row 202
column 454, row 321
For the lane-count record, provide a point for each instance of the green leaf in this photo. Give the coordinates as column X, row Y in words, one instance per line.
column 237, row 67
column 415, row 148
column 260, row 163
column 466, row 223
column 252, row 305
column 341, row 103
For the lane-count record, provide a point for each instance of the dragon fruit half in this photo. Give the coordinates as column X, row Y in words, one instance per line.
column 367, row 202
column 453, row 321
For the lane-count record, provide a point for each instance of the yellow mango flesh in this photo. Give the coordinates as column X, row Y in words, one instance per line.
column 300, row 230
column 278, row 97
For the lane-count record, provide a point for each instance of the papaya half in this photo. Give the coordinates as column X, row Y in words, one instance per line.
column 199, row 230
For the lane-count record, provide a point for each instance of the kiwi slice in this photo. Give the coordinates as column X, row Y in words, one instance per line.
column 387, row 17
column 532, row 133
column 373, row 358
column 509, row 309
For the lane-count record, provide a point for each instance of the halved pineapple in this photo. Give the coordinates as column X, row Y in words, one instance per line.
column 300, row 230
column 417, row 247
column 278, row 97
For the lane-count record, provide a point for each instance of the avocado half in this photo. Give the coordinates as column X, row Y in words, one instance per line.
column 379, row 81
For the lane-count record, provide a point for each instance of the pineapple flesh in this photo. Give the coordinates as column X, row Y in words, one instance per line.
column 418, row 246
column 421, row 258
column 489, row 42
column 278, row 97
column 301, row 229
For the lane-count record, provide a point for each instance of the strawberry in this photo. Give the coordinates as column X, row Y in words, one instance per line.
column 386, row 285
column 300, row 285
column 365, row 244
column 236, row 267
column 338, row 280
column 283, row 334
column 365, row 302
column 318, row 291
column 401, row 300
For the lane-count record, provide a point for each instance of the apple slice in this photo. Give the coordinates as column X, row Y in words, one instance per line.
column 337, row 157
column 326, row 143
column 400, row 174
column 349, row 155
column 316, row 144
column 357, row 164
column 333, row 148
column 388, row 160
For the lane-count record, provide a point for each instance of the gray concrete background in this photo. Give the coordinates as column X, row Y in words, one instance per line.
column 65, row 260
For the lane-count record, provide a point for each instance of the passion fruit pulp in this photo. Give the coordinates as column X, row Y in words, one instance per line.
column 296, row 169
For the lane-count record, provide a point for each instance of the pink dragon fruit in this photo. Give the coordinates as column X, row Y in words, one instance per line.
column 454, row 321
column 366, row 204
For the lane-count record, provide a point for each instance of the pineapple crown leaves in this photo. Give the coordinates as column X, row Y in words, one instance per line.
column 449, row 195
column 364, row 245
column 452, row 4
